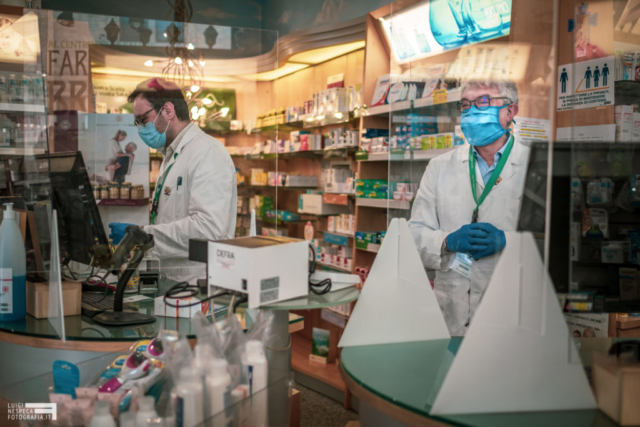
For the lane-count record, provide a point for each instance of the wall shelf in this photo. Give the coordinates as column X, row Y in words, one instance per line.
column 383, row 203
column 123, row 202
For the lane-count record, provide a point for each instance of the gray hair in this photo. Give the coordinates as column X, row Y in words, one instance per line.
column 135, row 146
column 506, row 88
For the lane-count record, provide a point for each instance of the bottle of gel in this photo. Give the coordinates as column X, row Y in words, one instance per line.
column 13, row 275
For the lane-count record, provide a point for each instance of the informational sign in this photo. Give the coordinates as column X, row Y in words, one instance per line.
column 586, row 84
column 598, row 133
column 588, row 325
column 528, row 130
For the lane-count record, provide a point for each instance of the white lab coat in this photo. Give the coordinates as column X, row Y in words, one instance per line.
column 203, row 207
column 443, row 204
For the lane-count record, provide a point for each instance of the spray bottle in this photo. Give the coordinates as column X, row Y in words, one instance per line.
column 13, row 266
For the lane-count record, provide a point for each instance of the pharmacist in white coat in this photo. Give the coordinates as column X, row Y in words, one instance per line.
column 196, row 193
column 460, row 232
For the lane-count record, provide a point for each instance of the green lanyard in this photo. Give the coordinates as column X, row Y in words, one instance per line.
column 156, row 197
column 492, row 180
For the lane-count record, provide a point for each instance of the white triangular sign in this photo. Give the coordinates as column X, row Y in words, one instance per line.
column 517, row 355
column 397, row 303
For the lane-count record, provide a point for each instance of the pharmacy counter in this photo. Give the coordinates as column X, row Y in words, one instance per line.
column 397, row 384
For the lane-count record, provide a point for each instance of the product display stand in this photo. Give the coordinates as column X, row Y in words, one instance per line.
column 517, row 355
column 398, row 287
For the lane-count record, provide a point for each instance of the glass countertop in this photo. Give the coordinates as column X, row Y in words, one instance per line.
column 411, row 374
column 83, row 328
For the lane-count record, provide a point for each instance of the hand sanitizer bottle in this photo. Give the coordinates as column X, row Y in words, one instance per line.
column 146, row 411
column 13, row 275
column 255, row 362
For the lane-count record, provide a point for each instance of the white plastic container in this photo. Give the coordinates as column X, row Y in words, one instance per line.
column 146, row 411
column 218, row 382
column 189, row 411
column 102, row 416
column 128, row 419
column 13, row 266
column 256, row 364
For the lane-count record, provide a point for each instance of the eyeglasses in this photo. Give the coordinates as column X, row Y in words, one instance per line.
column 482, row 102
column 140, row 120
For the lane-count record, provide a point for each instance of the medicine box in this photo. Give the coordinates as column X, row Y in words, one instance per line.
column 314, row 204
column 624, row 123
column 301, row 181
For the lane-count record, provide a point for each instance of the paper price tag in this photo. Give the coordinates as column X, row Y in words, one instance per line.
column 462, row 265
column 440, row 96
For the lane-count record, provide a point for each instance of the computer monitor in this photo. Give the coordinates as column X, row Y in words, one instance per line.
column 582, row 174
column 79, row 222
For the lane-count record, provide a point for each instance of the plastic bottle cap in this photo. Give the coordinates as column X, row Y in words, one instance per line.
column 147, row 404
column 218, row 366
column 102, row 408
column 254, row 348
column 128, row 419
column 9, row 213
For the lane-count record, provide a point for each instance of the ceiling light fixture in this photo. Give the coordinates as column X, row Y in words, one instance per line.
column 148, row 63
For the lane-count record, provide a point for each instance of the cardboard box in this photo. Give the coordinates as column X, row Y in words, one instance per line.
column 185, row 312
column 301, row 181
column 38, row 299
column 616, row 384
column 314, row 204
column 624, row 123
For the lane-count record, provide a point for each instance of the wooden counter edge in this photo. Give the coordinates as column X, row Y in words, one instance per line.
column 386, row 407
column 101, row 346
column 628, row 322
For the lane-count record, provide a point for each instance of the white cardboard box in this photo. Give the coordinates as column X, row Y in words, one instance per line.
column 624, row 123
column 301, row 181
column 313, row 204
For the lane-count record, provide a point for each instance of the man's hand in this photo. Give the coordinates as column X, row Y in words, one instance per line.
column 118, row 231
column 493, row 241
column 468, row 239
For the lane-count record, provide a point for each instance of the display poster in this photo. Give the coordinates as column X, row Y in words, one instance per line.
column 67, row 63
column 586, row 84
column 527, row 130
column 598, row 133
column 113, row 151
column 593, row 27
column 111, row 94
column 628, row 22
column 435, row 26
column 19, row 39
column 588, row 325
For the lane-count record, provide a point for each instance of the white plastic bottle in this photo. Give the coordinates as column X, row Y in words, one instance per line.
column 189, row 411
column 128, row 419
column 146, row 411
column 13, row 266
column 218, row 382
column 308, row 231
column 102, row 415
column 255, row 362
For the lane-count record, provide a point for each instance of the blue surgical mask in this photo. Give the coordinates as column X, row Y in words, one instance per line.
column 482, row 127
column 151, row 136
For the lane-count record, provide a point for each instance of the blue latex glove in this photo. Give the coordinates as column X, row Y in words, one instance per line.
column 118, row 230
column 493, row 243
column 468, row 239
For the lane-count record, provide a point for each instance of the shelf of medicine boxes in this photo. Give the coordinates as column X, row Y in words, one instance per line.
column 401, row 155
column 383, row 203
column 451, row 97
column 260, row 187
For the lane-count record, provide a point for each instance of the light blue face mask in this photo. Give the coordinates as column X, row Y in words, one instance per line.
column 151, row 136
column 482, row 127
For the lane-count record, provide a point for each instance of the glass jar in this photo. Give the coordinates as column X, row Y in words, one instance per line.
column 104, row 191
column 114, row 191
column 125, row 190
column 96, row 191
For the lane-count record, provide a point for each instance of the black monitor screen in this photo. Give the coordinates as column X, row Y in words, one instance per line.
column 595, row 219
column 79, row 223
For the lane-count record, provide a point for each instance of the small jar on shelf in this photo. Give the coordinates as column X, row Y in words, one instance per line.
column 125, row 190
column 96, row 191
column 114, row 190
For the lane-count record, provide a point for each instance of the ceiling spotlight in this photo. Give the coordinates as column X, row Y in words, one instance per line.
column 202, row 60
column 190, row 63
column 194, row 110
column 178, row 60
column 165, row 35
column 337, row 115
column 189, row 94
column 224, row 111
column 195, row 88
column 201, row 111
column 148, row 63
column 190, row 46
column 207, row 101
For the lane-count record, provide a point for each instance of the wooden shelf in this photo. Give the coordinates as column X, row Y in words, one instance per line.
column 123, row 202
column 383, row 203
column 333, row 267
column 416, row 155
column 373, row 250
column 328, row 374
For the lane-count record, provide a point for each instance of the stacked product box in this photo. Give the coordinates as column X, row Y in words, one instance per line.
column 374, row 140
column 438, row 141
column 338, row 180
column 404, row 191
column 368, row 240
column 314, row 204
column 282, row 215
column 372, row 188
column 624, row 123
column 261, row 204
column 257, row 177
column 333, row 255
column 341, row 138
column 343, row 224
